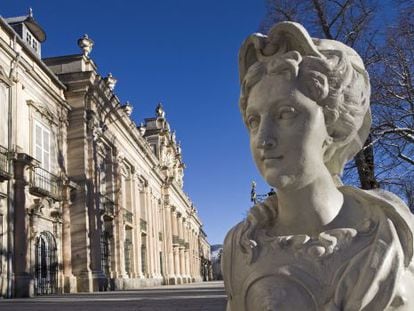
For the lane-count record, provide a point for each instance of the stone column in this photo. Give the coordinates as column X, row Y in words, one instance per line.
column 150, row 238
column 69, row 279
column 174, row 221
column 193, row 259
column 135, row 220
column 181, row 247
column 187, row 254
column 23, row 286
column 119, row 230
column 77, row 152
column 190, row 251
column 141, row 188
column 92, row 201
column 168, row 245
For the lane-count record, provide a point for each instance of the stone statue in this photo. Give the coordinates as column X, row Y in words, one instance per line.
column 315, row 244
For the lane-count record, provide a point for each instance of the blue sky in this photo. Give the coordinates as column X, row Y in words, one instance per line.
column 182, row 53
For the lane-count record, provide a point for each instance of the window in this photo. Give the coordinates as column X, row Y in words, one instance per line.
column 31, row 41
column 144, row 254
column 34, row 45
column 3, row 114
column 42, row 145
column 106, row 253
column 154, row 148
column 29, row 38
column 128, row 251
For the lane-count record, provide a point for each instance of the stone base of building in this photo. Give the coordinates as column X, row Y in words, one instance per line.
column 70, row 284
column 134, row 283
column 175, row 280
column 3, row 285
column 197, row 279
column 24, row 286
column 186, row 279
column 90, row 282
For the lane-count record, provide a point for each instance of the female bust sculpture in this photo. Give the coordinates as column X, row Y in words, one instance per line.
column 315, row 245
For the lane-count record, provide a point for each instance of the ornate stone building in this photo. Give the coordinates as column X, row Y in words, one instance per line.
column 89, row 201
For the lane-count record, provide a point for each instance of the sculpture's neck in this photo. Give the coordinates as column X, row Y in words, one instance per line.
column 309, row 209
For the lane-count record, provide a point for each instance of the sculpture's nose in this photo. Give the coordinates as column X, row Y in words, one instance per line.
column 266, row 138
column 267, row 143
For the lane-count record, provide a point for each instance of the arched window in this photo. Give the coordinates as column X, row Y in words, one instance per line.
column 46, row 264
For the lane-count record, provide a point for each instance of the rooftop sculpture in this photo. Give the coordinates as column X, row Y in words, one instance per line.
column 315, row 244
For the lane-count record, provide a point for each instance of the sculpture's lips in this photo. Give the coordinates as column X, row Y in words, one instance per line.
column 264, row 158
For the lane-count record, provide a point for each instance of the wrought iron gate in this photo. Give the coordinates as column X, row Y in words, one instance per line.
column 46, row 264
column 106, row 253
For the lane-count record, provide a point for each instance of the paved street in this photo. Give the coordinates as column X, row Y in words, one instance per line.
column 201, row 296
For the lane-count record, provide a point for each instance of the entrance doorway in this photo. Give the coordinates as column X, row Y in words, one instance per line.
column 46, row 264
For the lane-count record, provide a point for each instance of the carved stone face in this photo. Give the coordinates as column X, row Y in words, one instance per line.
column 287, row 133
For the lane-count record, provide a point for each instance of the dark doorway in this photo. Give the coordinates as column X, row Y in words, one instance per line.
column 46, row 264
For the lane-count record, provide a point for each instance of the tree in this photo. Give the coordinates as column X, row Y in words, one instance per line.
column 393, row 98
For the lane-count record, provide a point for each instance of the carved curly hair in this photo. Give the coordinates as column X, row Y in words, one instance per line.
column 328, row 72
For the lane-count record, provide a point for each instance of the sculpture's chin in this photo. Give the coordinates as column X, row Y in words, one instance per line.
column 282, row 181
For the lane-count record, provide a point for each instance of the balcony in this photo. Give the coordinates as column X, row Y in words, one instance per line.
column 44, row 184
column 127, row 216
column 107, row 206
column 143, row 225
column 5, row 172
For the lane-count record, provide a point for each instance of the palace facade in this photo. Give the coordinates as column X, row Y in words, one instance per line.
column 89, row 201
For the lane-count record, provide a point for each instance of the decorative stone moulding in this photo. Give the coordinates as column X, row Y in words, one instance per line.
column 315, row 244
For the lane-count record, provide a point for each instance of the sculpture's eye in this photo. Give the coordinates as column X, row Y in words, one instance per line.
column 253, row 122
column 287, row 112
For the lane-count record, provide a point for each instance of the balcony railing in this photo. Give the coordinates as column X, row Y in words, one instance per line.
column 143, row 225
column 128, row 216
column 5, row 173
column 107, row 206
column 44, row 183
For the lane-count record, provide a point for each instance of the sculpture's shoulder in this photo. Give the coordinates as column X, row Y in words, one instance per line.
column 228, row 258
column 394, row 210
column 383, row 198
column 394, row 204
column 230, row 241
column 395, row 237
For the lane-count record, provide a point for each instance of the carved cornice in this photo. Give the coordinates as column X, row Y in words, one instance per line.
column 44, row 111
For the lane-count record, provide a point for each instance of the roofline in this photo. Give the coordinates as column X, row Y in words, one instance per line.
column 42, row 65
